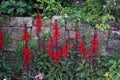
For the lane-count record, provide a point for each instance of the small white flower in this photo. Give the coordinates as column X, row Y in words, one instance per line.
column 79, row 19
column 65, row 15
column 108, row 1
column 45, row 17
column 104, row 6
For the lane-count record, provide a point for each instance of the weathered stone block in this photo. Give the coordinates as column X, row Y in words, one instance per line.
column 47, row 23
column 15, row 36
column 5, row 21
column 17, row 30
column 55, row 17
column 20, row 21
column 115, row 35
column 6, row 30
column 12, row 46
column 102, row 36
column 69, row 25
column 45, row 29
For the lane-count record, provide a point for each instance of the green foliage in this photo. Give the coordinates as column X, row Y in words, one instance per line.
column 13, row 7
column 114, row 70
column 5, row 70
column 71, row 68
column 113, row 65
column 113, row 8
column 1, row 19
column 48, row 8
column 88, row 12
column 104, row 22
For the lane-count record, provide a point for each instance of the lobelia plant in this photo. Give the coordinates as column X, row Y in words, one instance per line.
column 83, row 48
column 65, row 49
column 26, row 50
column 4, row 69
column 94, row 46
column 38, row 28
column 1, row 40
column 53, row 51
column 71, row 66
column 77, row 36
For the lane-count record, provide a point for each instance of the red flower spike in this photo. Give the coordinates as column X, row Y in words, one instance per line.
column 59, row 53
column 94, row 43
column 85, row 56
column 56, row 58
column 77, row 35
column 26, row 51
column 26, row 36
column 38, row 24
column 51, row 45
column 76, row 38
column 1, row 40
column 53, row 52
column 65, row 51
column 94, row 47
column 56, row 32
column 26, row 57
column 83, row 49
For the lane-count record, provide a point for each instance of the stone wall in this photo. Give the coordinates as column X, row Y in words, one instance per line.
column 15, row 25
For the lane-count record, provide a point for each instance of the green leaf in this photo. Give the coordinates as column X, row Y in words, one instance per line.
column 10, row 10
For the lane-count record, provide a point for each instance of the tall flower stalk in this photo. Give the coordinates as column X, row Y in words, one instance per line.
column 1, row 40
column 53, row 51
column 94, row 46
column 26, row 50
column 38, row 28
column 77, row 37
column 83, row 48
column 1, row 44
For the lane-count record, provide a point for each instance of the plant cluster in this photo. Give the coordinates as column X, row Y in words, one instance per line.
column 16, row 8
column 52, row 57
column 4, row 69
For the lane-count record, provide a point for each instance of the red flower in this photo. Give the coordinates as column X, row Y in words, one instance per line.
column 56, row 58
column 26, row 57
column 77, row 35
column 76, row 38
column 94, row 46
column 51, row 45
column 26, row 51
column 56, row 32
column 1, row 40
column 83, row 50
column 26, row 35
column 85, row 56
column 53, row 51
column 94, row 43
column 65, row 51
column 59, row 53
column 38, row 24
